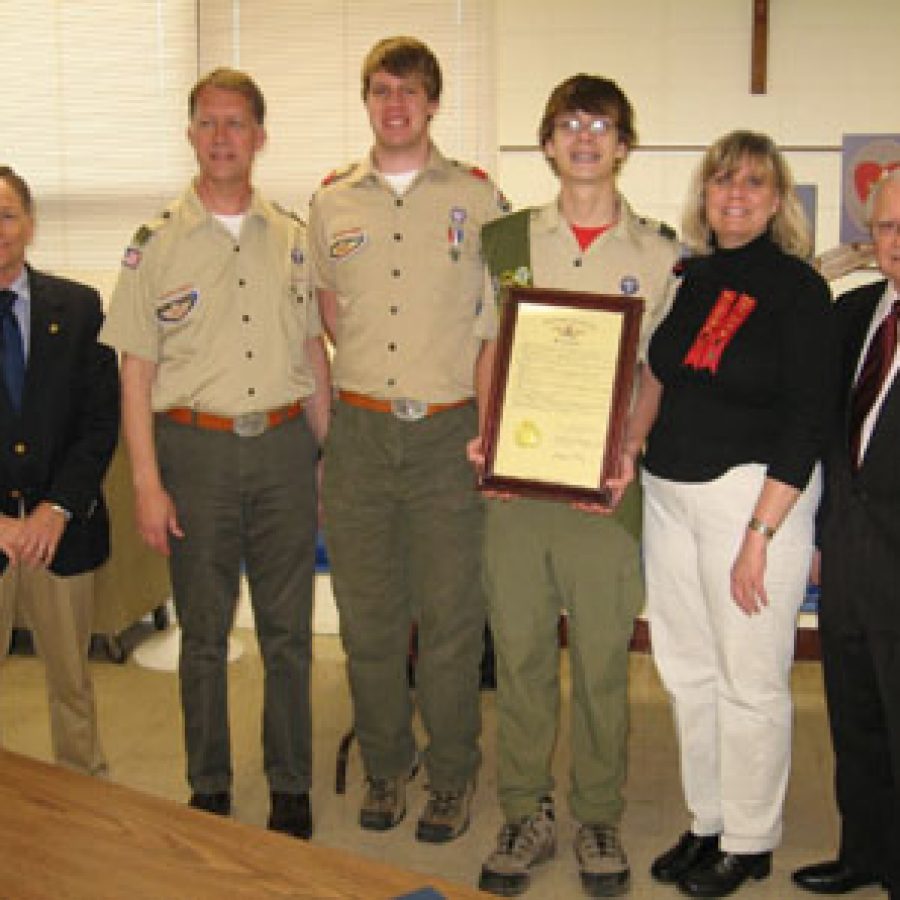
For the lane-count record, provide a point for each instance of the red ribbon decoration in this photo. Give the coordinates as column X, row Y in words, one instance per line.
column 725, row 318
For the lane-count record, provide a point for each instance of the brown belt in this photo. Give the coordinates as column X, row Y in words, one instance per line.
column 245, row 425
column 402, row 408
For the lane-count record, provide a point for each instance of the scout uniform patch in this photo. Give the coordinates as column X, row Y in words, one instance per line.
column 176, row 305
column 346, row 243
column 133, row 252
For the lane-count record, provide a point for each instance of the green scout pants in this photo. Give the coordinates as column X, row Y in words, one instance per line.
column 250, row 499
column 403, row 527
column 540, row 558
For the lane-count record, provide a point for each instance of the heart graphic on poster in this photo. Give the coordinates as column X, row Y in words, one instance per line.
column 865, row 174
column 866, row 158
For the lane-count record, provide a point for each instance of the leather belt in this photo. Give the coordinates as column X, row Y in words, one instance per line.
column 245, row 425
column 404, row 408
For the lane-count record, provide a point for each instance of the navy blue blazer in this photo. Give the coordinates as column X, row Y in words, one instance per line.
column 59, row 446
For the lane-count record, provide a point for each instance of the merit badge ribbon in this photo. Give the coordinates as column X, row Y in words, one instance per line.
column 455, row 232
column 726, row 317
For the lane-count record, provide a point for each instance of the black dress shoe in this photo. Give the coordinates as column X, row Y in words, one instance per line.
column 689, row 853
column 832, row 877
column 291, row 815
column 219, row 803
column 725, row 873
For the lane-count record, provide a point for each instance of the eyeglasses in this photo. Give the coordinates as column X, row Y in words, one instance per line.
column 889, row 228
column 573, row 125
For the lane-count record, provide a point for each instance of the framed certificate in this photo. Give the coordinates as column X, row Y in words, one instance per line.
column 560, row 393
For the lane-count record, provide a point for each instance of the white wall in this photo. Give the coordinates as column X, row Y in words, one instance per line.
column 685, row 65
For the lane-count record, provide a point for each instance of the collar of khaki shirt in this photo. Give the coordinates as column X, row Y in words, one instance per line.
column 366, row 172
column 196, row 215
column 549, row 218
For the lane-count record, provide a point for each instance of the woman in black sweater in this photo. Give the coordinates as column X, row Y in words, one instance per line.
column 732, row 406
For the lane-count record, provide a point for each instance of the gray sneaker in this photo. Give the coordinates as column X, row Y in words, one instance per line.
column 384, row 805
column 520, row 846
column 446, row 815
column 602, row 861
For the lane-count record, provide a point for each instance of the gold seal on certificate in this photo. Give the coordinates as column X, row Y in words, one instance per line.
column 560, row 393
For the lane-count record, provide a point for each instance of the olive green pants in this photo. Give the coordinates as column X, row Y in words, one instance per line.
column 403, row 527
column 541, row 558
column 250, row 500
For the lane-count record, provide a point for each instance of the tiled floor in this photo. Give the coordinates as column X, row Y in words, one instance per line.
column 141, row 725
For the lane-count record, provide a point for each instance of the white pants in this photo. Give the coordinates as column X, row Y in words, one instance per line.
column 728, row 674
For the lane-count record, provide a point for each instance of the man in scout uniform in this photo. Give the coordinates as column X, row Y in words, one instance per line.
column 540, row 556
column 225, row 400
column 394, row 244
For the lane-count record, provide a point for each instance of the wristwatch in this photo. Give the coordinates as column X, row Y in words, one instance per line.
column 65, row 513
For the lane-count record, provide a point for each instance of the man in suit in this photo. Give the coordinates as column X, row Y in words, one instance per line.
column 859, row 618
column 59, row 421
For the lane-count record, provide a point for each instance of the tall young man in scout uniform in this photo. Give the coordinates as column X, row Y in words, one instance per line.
column 225, row 393
column 540, row 556
column 394, row 243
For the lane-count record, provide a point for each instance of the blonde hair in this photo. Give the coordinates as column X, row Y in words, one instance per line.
column 788, row 228
column 231, row 80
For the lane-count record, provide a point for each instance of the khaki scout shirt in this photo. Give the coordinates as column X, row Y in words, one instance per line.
column 226, row 321
column 633, row 258
column 406, row 269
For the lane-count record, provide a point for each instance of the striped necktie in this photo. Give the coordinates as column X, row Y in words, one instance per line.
column 874, row 370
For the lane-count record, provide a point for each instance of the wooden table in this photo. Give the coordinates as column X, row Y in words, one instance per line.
column 65, row 835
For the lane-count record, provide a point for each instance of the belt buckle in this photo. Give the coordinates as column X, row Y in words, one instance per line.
column 409, row 410
column 250, row 424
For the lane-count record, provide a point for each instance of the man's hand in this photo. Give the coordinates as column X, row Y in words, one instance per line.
column 39, row 535
column 616, row 486
column 156, row 518
column 475, row 454
column 9, row 537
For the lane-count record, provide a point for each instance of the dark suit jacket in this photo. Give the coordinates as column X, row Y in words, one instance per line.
column 875, row 489
column 58, row 448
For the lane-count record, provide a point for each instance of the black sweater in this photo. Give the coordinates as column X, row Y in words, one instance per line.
column 770, row 394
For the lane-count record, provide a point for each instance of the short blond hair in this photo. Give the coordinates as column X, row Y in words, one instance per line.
column 789, row 227
column 231, row 80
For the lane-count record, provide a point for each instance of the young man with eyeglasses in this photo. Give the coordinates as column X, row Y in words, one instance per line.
column 542, row 557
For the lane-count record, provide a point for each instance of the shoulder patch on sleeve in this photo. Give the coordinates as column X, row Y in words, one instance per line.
column 661, row 228
column 134, row 251
column 667, row 231
column 337, row 174
column 477, row 172
column 145, row 232
column 288, row 213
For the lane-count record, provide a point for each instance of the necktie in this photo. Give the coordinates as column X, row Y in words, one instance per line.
column 11, row 349
column 874, row 370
